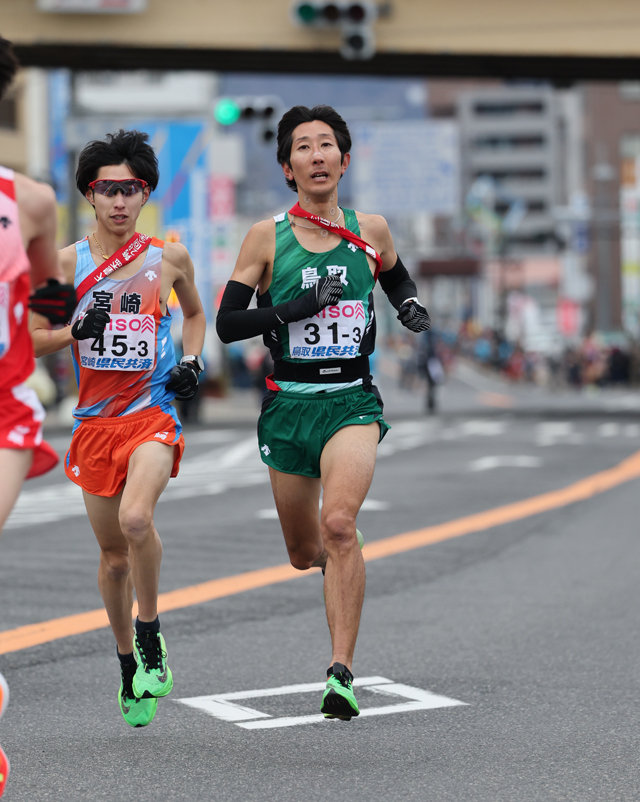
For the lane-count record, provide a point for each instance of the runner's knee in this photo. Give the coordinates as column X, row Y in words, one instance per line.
column 136, row 523
column 303, row 558
column 338, row 528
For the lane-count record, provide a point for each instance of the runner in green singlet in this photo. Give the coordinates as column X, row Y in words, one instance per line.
column 321, row 417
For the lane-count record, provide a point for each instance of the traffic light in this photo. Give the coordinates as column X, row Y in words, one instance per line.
column 353, row 19
column 227, row 111
column 358, row 40
column 264, row 110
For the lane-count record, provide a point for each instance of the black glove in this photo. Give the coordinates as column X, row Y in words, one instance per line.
column 183, row 381
column 54, row 301
column 91, row 325
column 414, row 316
column 326, row 291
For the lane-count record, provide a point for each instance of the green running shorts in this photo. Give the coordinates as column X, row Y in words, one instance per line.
column 293, row 428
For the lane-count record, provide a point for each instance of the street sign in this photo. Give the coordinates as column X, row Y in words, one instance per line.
column 406, row 166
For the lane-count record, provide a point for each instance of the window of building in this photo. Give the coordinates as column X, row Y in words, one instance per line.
column 508, row 108
column 509, row 141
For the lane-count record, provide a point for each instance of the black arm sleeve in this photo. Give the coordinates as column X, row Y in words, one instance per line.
column 235, row 321
column 397, row 284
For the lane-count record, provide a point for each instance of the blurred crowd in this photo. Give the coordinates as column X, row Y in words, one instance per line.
column 597, row 360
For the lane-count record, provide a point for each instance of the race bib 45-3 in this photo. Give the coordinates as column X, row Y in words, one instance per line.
column 128, row 343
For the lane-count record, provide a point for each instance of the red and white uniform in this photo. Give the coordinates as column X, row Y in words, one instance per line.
column 21, row 413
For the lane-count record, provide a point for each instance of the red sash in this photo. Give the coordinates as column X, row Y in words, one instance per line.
column 298, row 211
column 134, row 247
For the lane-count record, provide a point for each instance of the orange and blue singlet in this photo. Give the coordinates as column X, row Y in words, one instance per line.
column 124, row 371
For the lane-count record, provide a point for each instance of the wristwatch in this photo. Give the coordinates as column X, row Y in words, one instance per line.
column 195, row 360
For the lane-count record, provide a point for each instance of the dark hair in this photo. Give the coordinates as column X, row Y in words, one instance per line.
column 301, row 114
column 8, row 65
column 124, row 147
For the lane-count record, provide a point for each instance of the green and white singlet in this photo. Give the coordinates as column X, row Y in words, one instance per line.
column 343, row 331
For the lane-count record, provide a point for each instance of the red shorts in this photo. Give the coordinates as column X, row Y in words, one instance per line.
column 98, row 457
column 21, row 416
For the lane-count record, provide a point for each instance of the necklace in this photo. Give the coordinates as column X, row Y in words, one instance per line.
column 323, row 231
column 104, row 255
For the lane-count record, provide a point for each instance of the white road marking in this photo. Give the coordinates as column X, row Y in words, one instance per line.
column 474, row 428
column 507, row 461
column 486, row 428
column 222, row 705
column 551, row 432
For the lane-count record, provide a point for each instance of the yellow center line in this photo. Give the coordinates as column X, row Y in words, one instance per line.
column 13, row 640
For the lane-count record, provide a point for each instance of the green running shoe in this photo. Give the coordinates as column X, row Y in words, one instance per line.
column 153, row 676
column 136, row 712
column 338, row 700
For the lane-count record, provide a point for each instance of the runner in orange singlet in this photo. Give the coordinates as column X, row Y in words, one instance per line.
column 127, row 439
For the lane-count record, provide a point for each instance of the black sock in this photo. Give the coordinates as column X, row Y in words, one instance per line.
column 126, row 659
column 148, row 626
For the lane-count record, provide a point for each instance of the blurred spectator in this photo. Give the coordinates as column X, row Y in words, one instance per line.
column 619, row 366
column 429, row 364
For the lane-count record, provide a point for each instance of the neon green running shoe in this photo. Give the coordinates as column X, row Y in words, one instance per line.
column 338, row 700
column 153, row 676
column 136, row 712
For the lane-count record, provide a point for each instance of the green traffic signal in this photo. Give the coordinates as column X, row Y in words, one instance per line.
column 227, row 111
column 306, row 12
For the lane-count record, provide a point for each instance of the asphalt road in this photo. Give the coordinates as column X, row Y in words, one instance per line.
column 498, row 653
